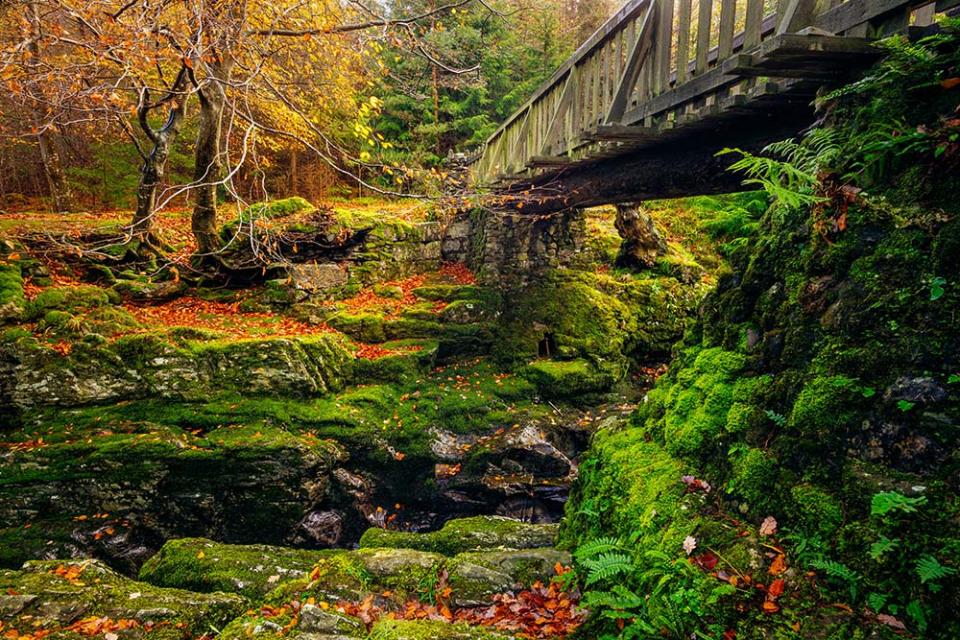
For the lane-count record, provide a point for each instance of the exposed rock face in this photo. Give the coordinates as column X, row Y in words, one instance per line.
column 86, row 500
column 54, row 595
column 512, row 249
column 642, row 243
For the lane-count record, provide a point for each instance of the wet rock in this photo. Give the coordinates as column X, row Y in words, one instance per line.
column 54, row 594
column 475, row 577
column 467, row 534
column 150, row 291
column 150, row 365
column 322, row 527
column 403, row 570
column 916, row 390
column 148, row 492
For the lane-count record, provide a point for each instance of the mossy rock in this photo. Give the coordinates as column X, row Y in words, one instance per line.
column 388, row 629
column 311, row 622
column 202, row 565
column 52, row 594
column 402, row 571
column 569, row 379
column 480, row 533
column 476, row 576
column 12, row 300
column 71, row 299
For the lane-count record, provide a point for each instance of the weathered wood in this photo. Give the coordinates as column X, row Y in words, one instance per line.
column 703, row 35
column 728, row 9
column 664, row 46
column 753, row 24
column 798, row 14
column 635, row 59
column 563, row 104
column 683, row 40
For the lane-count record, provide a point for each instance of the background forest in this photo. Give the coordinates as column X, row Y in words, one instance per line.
column 344, row 96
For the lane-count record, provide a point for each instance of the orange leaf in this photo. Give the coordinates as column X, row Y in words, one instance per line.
column 778, row 566
column 770, row 607
column 776, row 588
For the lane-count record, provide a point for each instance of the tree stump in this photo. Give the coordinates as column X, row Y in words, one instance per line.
column 642, row 243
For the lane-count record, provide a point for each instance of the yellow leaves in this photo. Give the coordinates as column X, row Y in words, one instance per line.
column 201, row 555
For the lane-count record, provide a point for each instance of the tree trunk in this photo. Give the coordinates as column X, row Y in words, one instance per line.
column 154, row 164
column 207, row 163
column 293, row 172
column 49, row 157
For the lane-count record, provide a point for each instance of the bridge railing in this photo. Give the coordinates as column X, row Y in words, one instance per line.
column 651, row 57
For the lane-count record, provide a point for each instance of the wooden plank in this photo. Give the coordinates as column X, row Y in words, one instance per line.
column 683, row 39
column 620, row 132
column 548, row 161
column 923, row 16
column 798, row 14
column 663, row 46
column 728, row 10
column 559, row 115
column 708, row 82
column 635, row 59
column 753, row 24
column 703, row 35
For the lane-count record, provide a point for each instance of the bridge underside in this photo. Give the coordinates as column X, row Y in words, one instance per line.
column 681, row 165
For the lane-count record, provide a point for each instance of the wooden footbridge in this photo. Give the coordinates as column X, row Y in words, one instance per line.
column 643, row 105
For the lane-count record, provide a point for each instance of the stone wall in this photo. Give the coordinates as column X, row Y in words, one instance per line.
column 509, row 249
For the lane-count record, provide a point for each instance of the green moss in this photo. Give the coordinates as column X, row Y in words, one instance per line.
column 12, row 299
column 466, row 534
column 814, row 510
column 71, row 299
column 51, row 601
column 387, row 629
column 202, row 565
column 754, row 478
column 365, row 327
column 569, row 380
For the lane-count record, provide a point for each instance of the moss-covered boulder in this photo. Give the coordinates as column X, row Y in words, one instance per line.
column 74, row 599
column 423, row 630
column 12, row 300
column 162, row 364
column 480, row 533
column 474, row 577
column 202, row 565
column 574, row 380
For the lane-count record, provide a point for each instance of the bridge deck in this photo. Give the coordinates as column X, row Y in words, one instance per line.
column 662, row 70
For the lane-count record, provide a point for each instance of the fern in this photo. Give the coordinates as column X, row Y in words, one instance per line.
column 788, row 169
column 840, row 572
column 930, row 570
column 600, row 545
column 620, row 599
column 881, row 546
column 607, row 565
column 886, row 501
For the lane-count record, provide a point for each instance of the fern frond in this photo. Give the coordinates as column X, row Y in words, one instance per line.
column 929, row 569
column 607, row 565
column 599, row 545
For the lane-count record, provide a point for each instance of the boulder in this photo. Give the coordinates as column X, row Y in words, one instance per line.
column 90, row 598
column 480, row 533
column 387, row 629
